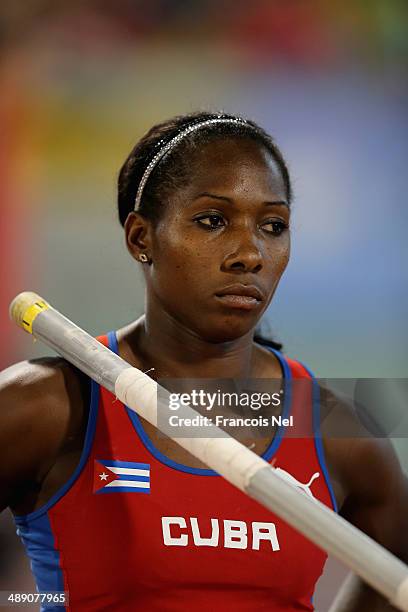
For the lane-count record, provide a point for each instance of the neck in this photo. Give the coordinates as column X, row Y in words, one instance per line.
column 173, row 350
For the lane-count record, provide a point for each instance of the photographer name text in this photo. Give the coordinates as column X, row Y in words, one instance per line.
column 223, row 421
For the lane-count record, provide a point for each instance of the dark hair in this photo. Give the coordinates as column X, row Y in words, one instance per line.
column 172, row 171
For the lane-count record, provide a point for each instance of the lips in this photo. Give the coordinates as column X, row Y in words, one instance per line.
column 245, row 290
column 243, row 297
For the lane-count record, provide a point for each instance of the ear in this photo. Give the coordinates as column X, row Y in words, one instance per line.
column 137, row 235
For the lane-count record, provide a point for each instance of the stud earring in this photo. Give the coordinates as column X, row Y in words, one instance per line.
column 143, row 257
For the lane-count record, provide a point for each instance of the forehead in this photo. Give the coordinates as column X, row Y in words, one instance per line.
column 239, row 165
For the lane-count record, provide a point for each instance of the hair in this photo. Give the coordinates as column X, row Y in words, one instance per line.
column 174, row 169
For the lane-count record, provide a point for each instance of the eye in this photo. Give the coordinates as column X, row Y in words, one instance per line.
column 210, row 222
column 277, row 227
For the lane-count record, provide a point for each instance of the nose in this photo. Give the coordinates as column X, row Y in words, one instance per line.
column 245, row 256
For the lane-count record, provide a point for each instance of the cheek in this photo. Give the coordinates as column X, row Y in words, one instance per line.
column 278, row 255
column 286, row 253
column 181, row 261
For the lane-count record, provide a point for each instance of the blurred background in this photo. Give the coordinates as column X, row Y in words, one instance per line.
column 81, row 81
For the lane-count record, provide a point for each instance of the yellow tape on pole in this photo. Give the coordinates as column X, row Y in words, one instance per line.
column 25, row 308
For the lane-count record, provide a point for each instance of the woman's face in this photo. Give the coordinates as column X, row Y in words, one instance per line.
column 225, row 233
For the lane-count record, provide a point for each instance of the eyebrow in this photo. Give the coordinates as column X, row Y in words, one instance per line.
column 230, row 201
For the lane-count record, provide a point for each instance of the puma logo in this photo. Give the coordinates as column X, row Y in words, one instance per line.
column 304, row 486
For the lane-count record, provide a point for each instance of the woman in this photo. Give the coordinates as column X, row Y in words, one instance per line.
column 205, row 203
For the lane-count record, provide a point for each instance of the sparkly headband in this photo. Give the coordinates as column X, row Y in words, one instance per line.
column 172, row 143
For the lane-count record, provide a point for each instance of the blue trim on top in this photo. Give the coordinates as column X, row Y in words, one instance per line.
column 318, row 437
column 39, row 542
column 287, row 402
column 113, row 342
column 89, row 436
column 267, row 455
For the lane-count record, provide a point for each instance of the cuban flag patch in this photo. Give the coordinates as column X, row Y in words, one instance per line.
column 113, row 476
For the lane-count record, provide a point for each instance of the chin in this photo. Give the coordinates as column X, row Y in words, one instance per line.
column 231, row 328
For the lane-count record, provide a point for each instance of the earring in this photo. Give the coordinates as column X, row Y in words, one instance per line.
column 143, row 257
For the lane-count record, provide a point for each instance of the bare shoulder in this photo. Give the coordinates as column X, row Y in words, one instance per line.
column 350, row 442
column 369, row 472
column 41, row 407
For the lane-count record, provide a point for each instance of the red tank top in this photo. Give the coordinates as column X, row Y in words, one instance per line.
column 133, row 530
